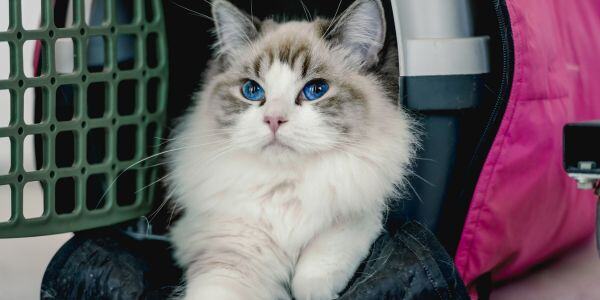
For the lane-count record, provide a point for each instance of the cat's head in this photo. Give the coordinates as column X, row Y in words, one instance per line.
column 300, row 87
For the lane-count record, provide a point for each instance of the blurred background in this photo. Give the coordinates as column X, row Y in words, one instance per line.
column 22, row 261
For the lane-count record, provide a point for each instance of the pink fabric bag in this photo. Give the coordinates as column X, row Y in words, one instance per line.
column 525, row 209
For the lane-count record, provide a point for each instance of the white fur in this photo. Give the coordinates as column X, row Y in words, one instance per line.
column 261, row 219
column 323, row 225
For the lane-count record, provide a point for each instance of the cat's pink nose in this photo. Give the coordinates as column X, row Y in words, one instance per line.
column 274, row 122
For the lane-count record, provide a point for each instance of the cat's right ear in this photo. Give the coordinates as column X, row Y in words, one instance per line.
column 235, row 29
column 361, row 29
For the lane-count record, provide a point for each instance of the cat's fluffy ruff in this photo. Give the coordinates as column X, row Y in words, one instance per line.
column 261, row 220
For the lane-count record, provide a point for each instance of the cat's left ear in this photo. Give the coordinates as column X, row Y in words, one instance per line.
column 361, row 29
column 235, row 29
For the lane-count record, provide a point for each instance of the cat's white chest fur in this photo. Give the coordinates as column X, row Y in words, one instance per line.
column 262, row 225
column 247, row 219
column 290, row 203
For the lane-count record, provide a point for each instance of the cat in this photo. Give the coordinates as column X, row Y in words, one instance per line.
column 284, row 167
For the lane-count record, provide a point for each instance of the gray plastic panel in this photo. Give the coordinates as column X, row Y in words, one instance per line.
column 436, row 38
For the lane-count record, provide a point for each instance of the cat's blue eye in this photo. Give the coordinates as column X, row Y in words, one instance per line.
column 252, row 91
column 315, row 89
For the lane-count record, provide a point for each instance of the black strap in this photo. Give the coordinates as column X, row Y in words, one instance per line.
column 60, row 12
column 483, row 285
column 597, row 189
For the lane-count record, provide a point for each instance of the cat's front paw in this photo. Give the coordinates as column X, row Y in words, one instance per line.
column 316, row 286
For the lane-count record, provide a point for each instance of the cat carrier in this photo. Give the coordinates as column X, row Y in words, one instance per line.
column 100, row 86
column 112, row 76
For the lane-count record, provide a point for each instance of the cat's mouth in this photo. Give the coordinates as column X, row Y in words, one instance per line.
column 276, row 143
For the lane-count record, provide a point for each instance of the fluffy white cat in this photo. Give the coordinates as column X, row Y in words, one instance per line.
column 285, row 165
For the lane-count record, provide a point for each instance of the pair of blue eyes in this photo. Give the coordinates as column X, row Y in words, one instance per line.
column 313, row 90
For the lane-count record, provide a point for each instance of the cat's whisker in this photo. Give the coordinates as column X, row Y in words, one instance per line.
column 157, row 210
column 220, row 130
column 495, row 93
column 347, row 139
column 108, row 189
column 353, row 149
column 180, row 139
column 173, row 209
column 350, row 152
column 350, row 144
column 343, row 151
column 354, row 152
column 162, row 139
column 204, row 163
column 306, row 12
column 333, row 20
column 414, row 191
column 192, row 12
column 202, row 133
column 425, row 159
column 110, row 186
column 196, row 135
column 203, row 144
column 422, row 179
column 207, row 2
column 219, row 154
column 211, row 133
column 153, row 165
column 153, row 183
column 161, row 144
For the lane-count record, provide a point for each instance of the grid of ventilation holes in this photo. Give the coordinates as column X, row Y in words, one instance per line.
column 91, row 123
